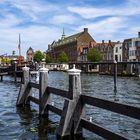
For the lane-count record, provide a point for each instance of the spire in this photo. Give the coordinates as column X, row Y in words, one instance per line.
column 63, row 34
column 19, row 46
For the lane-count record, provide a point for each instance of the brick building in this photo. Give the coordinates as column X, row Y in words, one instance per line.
column 75, row 46
column 106, row 49
column 29, row 55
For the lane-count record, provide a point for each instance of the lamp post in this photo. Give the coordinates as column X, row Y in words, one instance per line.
column 115, row 78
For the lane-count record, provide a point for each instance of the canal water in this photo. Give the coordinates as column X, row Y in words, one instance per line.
column 24, row 123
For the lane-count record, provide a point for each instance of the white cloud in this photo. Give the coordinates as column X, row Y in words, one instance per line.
column 48, row 20
column 9, row 21
column 106, row 29
column 130, row 8
column 61, row 19
column 32, row 8
column 35, row 36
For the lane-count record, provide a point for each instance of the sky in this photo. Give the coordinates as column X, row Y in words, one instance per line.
column 40, row 22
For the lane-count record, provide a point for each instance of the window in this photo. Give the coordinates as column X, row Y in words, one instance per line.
column 85, row 50
column 137, row 43
column 116, row 49
column 116, row 58
column 132, row 53
column 129, row 44
column 120, row 58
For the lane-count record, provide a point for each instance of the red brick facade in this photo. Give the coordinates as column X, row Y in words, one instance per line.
column 74, row 46
column 106, row 49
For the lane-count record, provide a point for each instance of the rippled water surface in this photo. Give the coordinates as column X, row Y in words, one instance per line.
column 24, row 123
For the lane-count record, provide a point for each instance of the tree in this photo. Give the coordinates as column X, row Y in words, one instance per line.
column 13, row 52
column 63, row 57
column 48, row 58
column 94, row 55
column 38, row 56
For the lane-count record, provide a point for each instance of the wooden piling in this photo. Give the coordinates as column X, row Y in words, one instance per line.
column 68, row 121
column 43, row 83
column 1, row 77
column 25, row 88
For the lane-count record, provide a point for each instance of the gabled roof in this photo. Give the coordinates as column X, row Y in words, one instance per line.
column 106, row 44
column 66, row 40
column 73, row 37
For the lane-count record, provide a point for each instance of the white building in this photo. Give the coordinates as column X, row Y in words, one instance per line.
column 118, row 52
column 133, row 49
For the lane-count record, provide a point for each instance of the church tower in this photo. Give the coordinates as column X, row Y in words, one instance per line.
column 63, row 34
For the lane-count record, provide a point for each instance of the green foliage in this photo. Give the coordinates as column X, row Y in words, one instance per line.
column 48, row 58
column 6, row 60
column 33, row 129
column 38, row 56
column 94, row 55
column 13, row 52
column 63, row 57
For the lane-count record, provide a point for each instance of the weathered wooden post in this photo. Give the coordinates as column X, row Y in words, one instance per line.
column 138, row 69
column 67, row 121
column 43, row 82
column 25, row 88
column 1, row 78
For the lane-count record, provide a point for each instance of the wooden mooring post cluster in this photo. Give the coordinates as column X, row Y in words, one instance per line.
column 73, row 113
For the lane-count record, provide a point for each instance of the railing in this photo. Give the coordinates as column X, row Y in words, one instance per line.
column 72, row 115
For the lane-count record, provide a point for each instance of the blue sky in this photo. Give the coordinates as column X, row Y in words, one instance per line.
column 39, row 22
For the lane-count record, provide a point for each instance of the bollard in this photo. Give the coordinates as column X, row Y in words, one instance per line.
column 68, row 119
column 43, row 82
column 25, row 88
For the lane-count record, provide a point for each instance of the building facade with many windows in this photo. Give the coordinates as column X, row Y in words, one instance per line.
column 106, row 49
column 75, row 46
column 131, row 49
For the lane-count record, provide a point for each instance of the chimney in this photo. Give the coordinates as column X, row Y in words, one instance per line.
column 86, row 30
column 103, row 41
column 139, row 34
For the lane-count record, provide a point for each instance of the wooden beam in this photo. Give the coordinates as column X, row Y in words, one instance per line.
column 123, row 109
column 33, row 99
column 101, row 131
column 3, row 73
column 34, row 85
column 58, row 92
column 54, row 109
